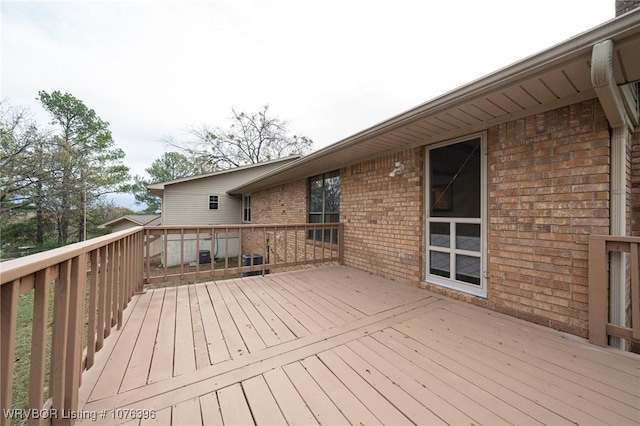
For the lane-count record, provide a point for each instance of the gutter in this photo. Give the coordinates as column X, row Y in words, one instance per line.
column 615, row 109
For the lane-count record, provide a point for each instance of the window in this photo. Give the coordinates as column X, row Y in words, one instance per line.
column 246, row 208
column 324, row 203
column 214, row 202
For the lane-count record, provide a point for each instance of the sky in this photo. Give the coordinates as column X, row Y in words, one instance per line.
column 331, row 68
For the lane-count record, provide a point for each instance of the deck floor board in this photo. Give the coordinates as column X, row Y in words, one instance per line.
column 470, row 394
column 293, row 407
column 116, row 365
column 302, row 305
column 573, row 374
column 335, row 345
column 216, row 347
column 138, row 369
column 276, row 324
column 263, row 405
column 530, row 381
column 162, row 360
column 231, row 335
column 324, row 410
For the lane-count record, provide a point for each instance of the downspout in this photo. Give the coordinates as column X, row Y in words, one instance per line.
column 609, row 95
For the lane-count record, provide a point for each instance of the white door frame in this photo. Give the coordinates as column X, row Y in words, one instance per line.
column 477, row 290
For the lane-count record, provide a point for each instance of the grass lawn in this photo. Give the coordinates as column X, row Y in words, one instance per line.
column 23, row 351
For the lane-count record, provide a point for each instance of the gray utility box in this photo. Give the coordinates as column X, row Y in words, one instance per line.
column 246, row 261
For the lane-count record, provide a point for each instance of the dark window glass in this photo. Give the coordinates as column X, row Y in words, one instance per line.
column 468, row 269
column 455, row 186
column 324, row 204
column 439, row 264
column 468, row 236
column 213, row 202
column 246, row 208
column 316, row 194
column 439, row 234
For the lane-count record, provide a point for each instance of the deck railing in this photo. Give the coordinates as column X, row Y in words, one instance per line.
column 176, row 253
column 600, row 328
column 89, row 285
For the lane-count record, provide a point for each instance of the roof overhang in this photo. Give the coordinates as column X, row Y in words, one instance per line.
column 138, row 220
column 158, row 188
column 556, row 77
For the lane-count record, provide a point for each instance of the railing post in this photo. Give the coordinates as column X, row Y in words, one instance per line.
column 140, row 270
column 93, row 301
column 8, row 321
column 148, row 244
column 122, row 285
column 598, row 292
column 213, row 250
column 73, row 359
column 59, row 339
column 37, row 368
column 635, row 291
column 341, row 243
column 102, row 297
column 240, row 247
column 108, row 265
column 127, row 278
column 165, row 255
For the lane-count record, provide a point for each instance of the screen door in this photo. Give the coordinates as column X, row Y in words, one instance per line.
column 455, row 211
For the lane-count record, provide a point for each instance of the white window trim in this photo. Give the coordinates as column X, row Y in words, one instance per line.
column 482, row 290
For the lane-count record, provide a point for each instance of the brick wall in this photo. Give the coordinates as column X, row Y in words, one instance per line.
column 282, row 204
column 285, row 204
column 549, row 183
column 548, row 191
column 383, row 216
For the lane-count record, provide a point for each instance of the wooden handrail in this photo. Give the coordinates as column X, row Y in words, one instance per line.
column 113, row 264
column 599, row 326
column 176, row 258
column 102, row 275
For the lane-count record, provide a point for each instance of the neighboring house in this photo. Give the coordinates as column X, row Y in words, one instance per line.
column 488, row 193
column 204, row 200
column 131, row 220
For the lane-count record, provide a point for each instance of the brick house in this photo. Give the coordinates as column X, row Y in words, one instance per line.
column 488, row 193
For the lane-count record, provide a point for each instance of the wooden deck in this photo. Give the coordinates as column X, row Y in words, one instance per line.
column 335, row 345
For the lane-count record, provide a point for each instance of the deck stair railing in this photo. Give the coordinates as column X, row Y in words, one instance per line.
column 600, row 327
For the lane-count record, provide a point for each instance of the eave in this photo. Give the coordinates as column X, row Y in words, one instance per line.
column 554, row 78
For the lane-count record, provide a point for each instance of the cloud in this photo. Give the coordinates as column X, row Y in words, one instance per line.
column 331, row 68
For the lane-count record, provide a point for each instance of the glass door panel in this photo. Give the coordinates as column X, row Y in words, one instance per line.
column 468, row 236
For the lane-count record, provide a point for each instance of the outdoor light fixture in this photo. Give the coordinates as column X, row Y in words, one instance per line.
column 398, row 170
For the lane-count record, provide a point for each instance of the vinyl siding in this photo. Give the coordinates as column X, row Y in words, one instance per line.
column 187, row 203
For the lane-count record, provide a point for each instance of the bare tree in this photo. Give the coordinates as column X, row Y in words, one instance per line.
column 251, row 138
column 22, row 163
